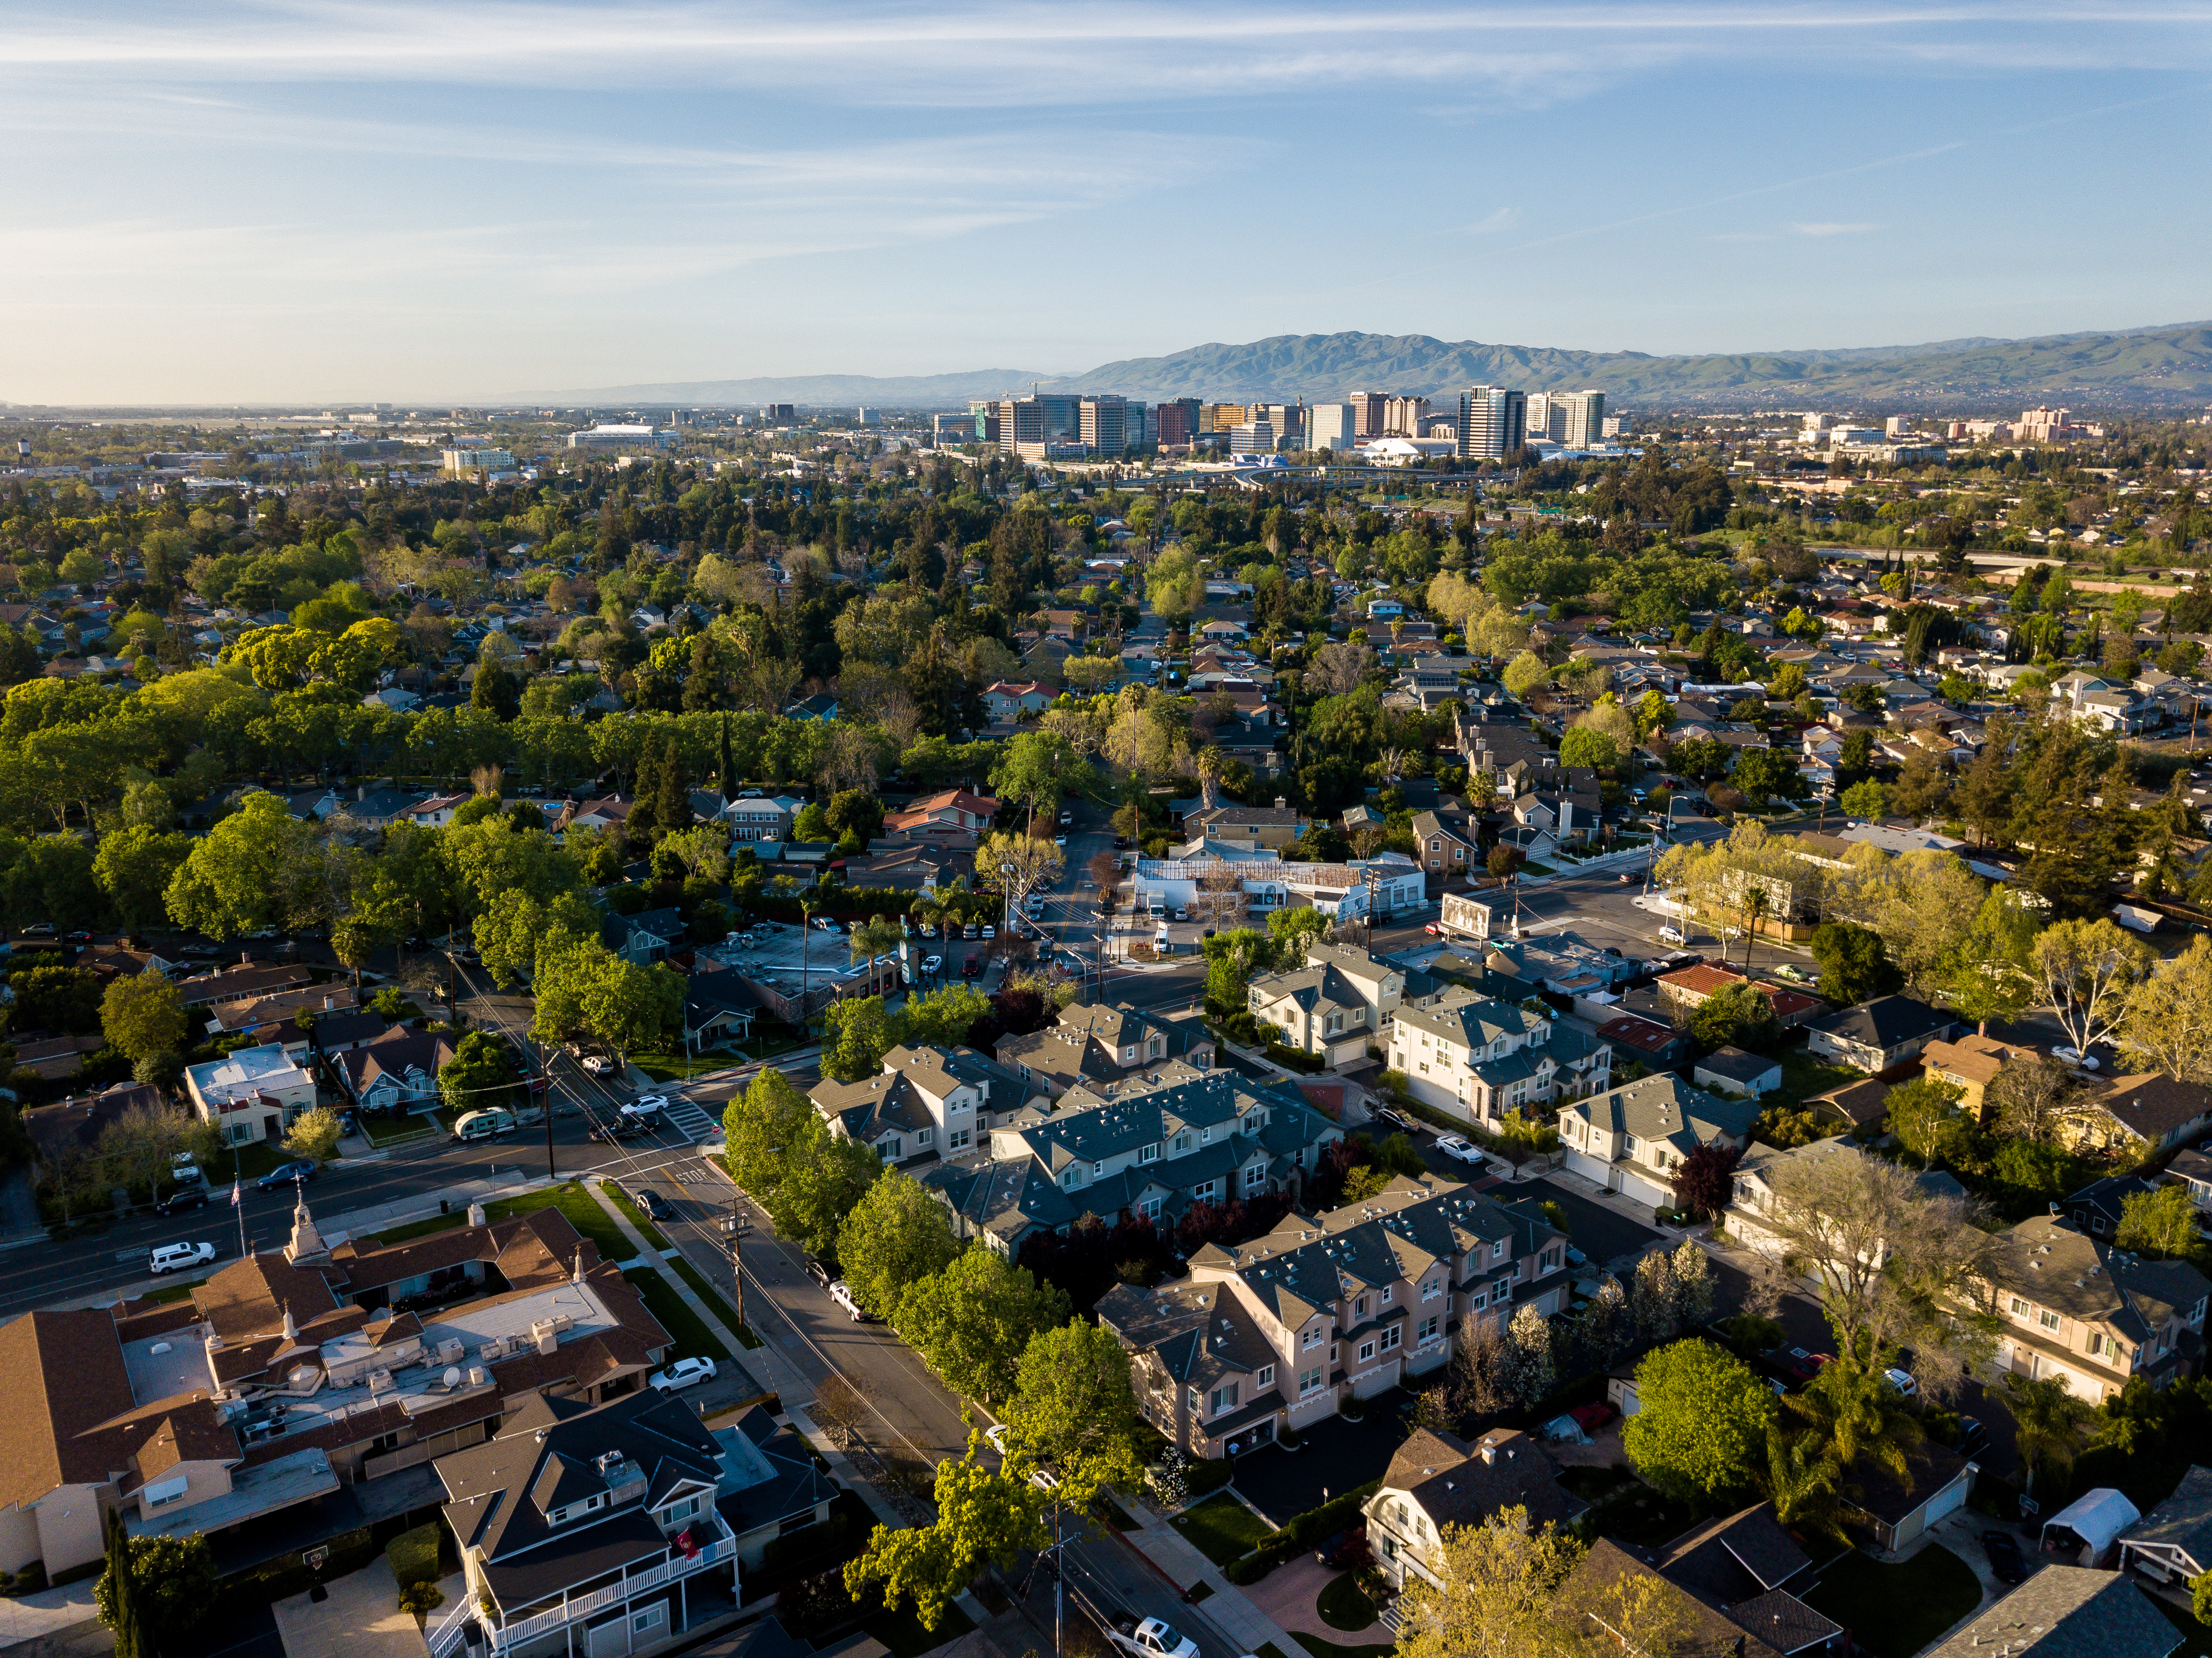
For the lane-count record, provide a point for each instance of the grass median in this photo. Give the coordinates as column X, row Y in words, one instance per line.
column 685, row 1328
column 720, row 1309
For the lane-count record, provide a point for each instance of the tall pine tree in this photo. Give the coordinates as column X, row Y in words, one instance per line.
column 729, row 774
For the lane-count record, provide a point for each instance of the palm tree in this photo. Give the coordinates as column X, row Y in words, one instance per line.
column 879, row 938
column 1801, row 1481
column 2050, row 1422
column 1855, row 1413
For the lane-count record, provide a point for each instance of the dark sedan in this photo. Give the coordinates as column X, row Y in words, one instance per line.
column 2006, row 1565
column 285, row 1173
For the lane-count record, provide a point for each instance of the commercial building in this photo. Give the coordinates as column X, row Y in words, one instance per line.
column 1405, row 417
column 1330, row 426
column 1581, row 418
column 1493, row 421
column 1177, row 422
column 1370, row 413
column 779, row 414
column 250, row 1094
column 631, row 439
column 1221, row 417
column 479, row 460
column 1110, row 425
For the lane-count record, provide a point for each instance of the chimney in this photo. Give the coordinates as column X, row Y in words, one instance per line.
column 1489, row 1452
column 476, row 1214
column 1280, row 802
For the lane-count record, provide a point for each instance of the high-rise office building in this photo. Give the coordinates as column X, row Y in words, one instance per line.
column 1047, row 417
column 1289, row 420
column 1177, row 421
column 1331, row 426
column 1403, row 416
column 1110, row 425
column 1493, row 421
column 1368, row 412
column 1547, row 417
column 1582, row 423
column 1221, row 417
column 779, row 414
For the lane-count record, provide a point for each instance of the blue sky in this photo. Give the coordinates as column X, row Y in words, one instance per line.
column 415, row 202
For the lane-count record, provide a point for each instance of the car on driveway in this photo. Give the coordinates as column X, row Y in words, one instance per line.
column 1154, row 1637
column 285, row 1173
column 2006, row 1565
column 841, row 1294
column 1902, row 1381
column 685, row 1373
column 1456, row 1145
column 2075, row 1057
column 1389, row 1119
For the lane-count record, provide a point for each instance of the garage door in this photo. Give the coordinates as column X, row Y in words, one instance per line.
column 1949, row 1500
column 1381, row 1378
column 1581, row 1163
column 1644, row 1190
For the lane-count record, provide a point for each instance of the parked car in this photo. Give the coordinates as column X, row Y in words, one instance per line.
column 1395, row 1119
column 1153, row 1638
column 176, row 1257
column 1670, row 935
column 843, row 1295
column 817, row 1271
column 969, row 931
column 285, row 1173
column 1067, row 820
column 2006, row 1565
column 1345, row 1551
column 972, row 968
column 1121, row 843
column 40, row 930
column 655, row 1206
column 184, row 1198
column 1060, row 839
column 933, row 964
column 685, row 1373
column 2075, row 1057
column 1902, row 1381
column 599, row 1065
column 1456, row 1145
column 990, row 932
column 486, row 1125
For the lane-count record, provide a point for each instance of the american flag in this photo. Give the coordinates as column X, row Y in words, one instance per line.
column 235, row 1195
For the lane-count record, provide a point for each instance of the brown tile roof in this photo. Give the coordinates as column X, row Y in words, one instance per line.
column 250, row 1297
column 61, row 1374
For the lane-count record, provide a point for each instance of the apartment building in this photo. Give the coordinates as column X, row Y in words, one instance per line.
column 925, row 1103
column 1334, row 1006
column 1474, row 1059
column 2074, row 1306
column 1275, row 1333
column 1151, row 1147
column 1103, row 1042
column 1632, row 1139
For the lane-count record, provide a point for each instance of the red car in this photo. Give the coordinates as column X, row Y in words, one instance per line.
column 1433, row 930
column 972, row 968
column 1592, row 1415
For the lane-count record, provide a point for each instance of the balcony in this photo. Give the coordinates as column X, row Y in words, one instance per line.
column 481, row 1633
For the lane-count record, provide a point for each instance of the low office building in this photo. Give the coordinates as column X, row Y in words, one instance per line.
column 1146, row 1148
column 2072, row 1305
column 1475, row 1059
column 1275, row 1333
column 250, row 1094
column 1104, row 1043
column 1634, row 1140
column 925, row 1102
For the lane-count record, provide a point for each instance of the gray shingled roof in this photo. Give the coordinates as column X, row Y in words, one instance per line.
column 2068, row 1612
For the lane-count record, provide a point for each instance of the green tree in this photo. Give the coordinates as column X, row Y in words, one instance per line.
column 1525, row 672
column 167, row 1590
column 1700, row 1433
column 1925, row 1116
column 1290, row 930
column 1854, row 968
column 856, row 812
column 66, row 999
column 1036, row 769
column 2089, row 970
column 1072, row 1411
column 235, row 879
column 823, row 1179
column 895, row 1237
column 2160, row 1222
column 984, row 1518
column 757, row 1126
column 1987, row 975
column 481, row 1075
column 1736, row 1016
column 974, row 1320
column 943, row 1017
column 1585, row 745
column 1866, row 799
column 2168, row 1023
column 1231, row 959
column 1498, row 1594
column 313, row 1134
column 630, row 1007
column 134, row 867
column 856, row 1033
column 144, row 1013
column 2050, row 1422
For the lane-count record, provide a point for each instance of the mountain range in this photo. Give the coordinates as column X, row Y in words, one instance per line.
column 2164, row 368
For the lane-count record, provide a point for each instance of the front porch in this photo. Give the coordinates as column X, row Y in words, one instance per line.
column 634, row 1614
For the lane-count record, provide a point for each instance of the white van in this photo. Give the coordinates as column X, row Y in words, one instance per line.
column 1670, row 935
column 1160, row 937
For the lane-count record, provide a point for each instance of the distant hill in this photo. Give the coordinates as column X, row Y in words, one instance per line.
column 2139, row 368
column 2144, row 369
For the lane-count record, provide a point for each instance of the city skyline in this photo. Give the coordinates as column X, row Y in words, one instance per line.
column 317, row 202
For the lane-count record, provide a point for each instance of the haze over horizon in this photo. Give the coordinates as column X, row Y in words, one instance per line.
column 319, row 202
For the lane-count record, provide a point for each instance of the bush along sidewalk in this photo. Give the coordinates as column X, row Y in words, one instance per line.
column 1311, row 1528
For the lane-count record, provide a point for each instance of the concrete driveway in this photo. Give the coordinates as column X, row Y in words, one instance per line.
column 361, row 1618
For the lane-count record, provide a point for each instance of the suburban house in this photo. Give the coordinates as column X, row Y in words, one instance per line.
column 1333, row 1006
column 1753, row 1199
column 235, row 984
column 274, row 1017
column 395, row 1072
column 1877, row 1035
column 1274, row 1332
column 250, row 1094
column 596, row 1521
column 1970, row 1064
column 1656, row 1047
column 1103, row 1042
column 1142, row 1148
column 1689, row 988
column 955, row 816
column 1444, row 849
column 1737, row 1578
column 1274, row 826
column 2071, row 1305
column 761, row 817
column 607, row 814
column 818, row 707
column 2062, row 1612
column 2173, row 1542
column 1732, row 1070
column 1006, row 703
column 1437, row 1479
column 2140, row 1112
column 1475, row 1059
column 925, row 1103
column 1899, row 1510
column 1609, row 1575
column 1632, row 1139
column 719, row 1005
column 292, row 1374
column 645, row 938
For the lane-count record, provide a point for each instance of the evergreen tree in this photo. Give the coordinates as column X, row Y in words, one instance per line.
column 671, row 792
column 729, row 775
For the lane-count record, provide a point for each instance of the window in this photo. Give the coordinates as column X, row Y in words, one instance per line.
column 925, row 1136
column 1309, row 1382
column 1360, row 1307
column 1264, row 1376
column 1427, row 1333
column 2046, row 1318
column 1359, row 1016
column 1255, row 1177
column 1391, row 1337
column 1366, row 1351
column 1251, row 1122
column 1204, row 1191
column 1432, row 1289
column 677, row 1512
column 1071, row 1178
column 1628, row 1146
column 1097, row 1172
column 957, row 1139
column 1182, row 1141
column 651, row 1617
column 2020, row 1308
column 1148, row 1153
column 1477, row 1299
column 1313, row 1336
column 889, row 1149
column 1224, row 1398
column 1389, row 1290
column 1150, row 1208
column 1197, row 1405
column 2096, row 1346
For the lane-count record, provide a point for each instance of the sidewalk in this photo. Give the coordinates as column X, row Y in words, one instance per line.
column 766, row 1366
column 1229, row 1606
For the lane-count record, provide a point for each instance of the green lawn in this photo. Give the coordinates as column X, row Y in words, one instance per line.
column 1893, row 1611
column 637, row 1217
column 249, row 1162
column 169, row 1292
column 706, row 1292
column 668, row 1067
column 1803, row 1075
column 686, row 1328
column 1221, row 1528
column 901, row 1631
column 1343, row 1605
column 583, row 1211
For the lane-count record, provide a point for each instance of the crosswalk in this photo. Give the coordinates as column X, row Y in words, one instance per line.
column 688, row 1119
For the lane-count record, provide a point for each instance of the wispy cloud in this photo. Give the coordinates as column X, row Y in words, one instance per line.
column 1830, row 228
column 1503, row 219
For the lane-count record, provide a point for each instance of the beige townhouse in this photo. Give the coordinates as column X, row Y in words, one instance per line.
column 1476, row 1059
column 2073, row 1306
column 1334, row 1006
column 1634, row 1140
column 927, row 1101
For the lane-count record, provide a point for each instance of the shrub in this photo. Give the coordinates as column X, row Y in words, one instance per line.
column 421, row 1599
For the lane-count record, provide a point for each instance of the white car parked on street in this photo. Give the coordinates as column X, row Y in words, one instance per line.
column 843, row 1295
column 176, row 1257
column 1155, row 1637
column 1454, row 1145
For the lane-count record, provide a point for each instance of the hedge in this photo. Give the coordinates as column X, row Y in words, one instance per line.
column 1314, row 1527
